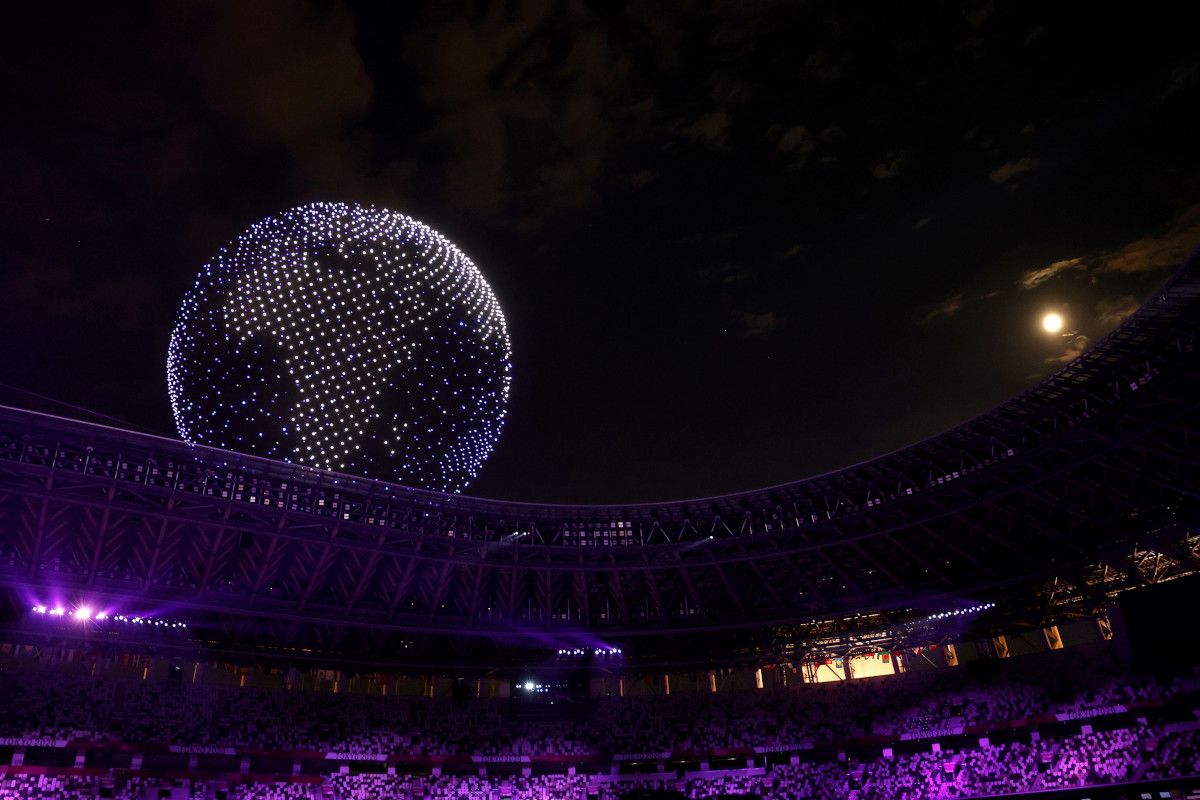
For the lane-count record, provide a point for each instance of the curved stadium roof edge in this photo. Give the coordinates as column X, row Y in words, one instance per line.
column 1088, row 477
column 1171, row 300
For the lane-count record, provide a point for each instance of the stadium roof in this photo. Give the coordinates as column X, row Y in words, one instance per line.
column 1094, row 465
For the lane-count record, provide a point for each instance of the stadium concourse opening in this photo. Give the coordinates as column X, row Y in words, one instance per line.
column 993, row 611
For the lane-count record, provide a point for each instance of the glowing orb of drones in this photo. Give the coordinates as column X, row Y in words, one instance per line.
column 347, row 338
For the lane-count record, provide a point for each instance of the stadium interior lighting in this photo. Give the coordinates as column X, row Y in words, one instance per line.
column 596, row 651
column 962, row 612
column 85, row 613
column 529, row 686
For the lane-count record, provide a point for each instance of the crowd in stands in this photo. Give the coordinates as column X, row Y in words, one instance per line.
column 1178, row 755
column 1000, row 770
column 31, row 787
column 1086, row 758
column 1082, row 759
column 58, row 706
column 829, row 725
column 37, row 787
column 1101, row 757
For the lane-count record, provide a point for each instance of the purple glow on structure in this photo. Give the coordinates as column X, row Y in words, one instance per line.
column 596, row 651
column 86, row 613
column 962, row 612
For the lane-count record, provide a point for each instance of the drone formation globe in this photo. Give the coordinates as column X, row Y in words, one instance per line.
column 348, row 338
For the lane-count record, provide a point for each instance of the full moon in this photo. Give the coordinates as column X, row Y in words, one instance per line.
column 1052, row 323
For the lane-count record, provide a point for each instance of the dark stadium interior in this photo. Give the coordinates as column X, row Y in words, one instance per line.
column 583, row 401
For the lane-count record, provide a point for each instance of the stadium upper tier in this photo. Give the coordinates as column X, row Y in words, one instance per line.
column 1096, row 464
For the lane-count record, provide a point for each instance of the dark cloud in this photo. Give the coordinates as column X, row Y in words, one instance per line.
column 727, row 90
column 281, row 73
column 796, row 141
column 833, row 134
column 1182, row 78
column 723, row 274
column 947, row 308
column 755, row 323
column 641, row 178
column 1006, row 172
column 523, row 102
column 1033, row 278
column 1111, row 312
column 1151, row 253
column 891, row 169
column 1163, row 251
column 1074, row 345
column 977, row 13
column 711, row 128
column 825, row 67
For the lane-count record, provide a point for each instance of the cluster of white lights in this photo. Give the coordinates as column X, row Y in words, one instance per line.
column 962, row 612
column 597, row 651
column 530, row 686
column 85, row 614
column 348, row 338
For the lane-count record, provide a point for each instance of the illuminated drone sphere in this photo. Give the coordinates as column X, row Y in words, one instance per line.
column 344, row 337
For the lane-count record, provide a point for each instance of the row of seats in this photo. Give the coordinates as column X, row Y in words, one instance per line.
column 44, row 704
column 1123, row 755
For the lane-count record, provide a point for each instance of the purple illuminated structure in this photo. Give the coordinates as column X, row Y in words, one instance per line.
column 1075, row 489
column 83, row 614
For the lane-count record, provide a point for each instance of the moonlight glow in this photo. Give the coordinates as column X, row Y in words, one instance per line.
column 348, row 338
column 1052, row 323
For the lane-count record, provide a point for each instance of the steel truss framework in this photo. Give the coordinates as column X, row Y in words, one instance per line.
column 1088, row 481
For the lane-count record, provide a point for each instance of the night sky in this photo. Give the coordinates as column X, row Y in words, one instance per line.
column 736, row 244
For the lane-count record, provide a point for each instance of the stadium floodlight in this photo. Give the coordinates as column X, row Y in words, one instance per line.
column 529, row 686
column 976, row 609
